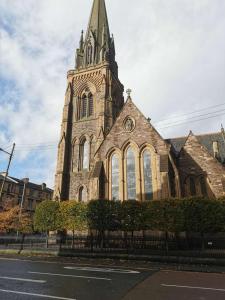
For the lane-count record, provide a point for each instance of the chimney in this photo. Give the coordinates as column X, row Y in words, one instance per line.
column 43, row 186
column 25, row 180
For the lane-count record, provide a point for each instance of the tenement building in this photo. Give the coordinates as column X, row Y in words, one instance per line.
column 23, row 192
column 109, row 150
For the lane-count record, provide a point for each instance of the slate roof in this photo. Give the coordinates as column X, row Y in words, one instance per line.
column 29, row 184
column 8, row 179
column 205, row 139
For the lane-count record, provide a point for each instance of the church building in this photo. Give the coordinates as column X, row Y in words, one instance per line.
column 109, row 150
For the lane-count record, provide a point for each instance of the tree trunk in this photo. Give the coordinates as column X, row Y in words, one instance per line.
column 132, row 239
column 92, row 246
column 46, row 239
column 102, row 239
column 73, row 239
column 143, row 239
column 166, row 242
column 21, row 244
column 203, row 241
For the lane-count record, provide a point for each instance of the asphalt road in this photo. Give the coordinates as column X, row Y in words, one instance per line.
column 87, row 280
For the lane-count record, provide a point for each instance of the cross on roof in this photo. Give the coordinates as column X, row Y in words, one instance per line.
column 128, row 91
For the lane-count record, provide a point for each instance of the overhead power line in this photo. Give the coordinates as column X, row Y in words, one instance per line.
column 194, row 121
column 190, row 113
column 178, row 120
column 193, row 118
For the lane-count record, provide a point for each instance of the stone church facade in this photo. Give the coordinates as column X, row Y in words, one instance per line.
column 109, row 150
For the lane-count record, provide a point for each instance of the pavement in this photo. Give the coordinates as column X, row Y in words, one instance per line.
column 85, row 279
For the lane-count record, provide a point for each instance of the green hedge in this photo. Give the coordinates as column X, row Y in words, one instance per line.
column 172, row 215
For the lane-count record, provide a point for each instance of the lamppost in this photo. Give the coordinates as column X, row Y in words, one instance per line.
column 25, row 181
column 7, row 170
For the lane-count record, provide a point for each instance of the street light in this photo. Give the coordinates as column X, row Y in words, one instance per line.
column 25, row 182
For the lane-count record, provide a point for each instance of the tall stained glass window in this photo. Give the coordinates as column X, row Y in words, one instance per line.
column 131, row 175
column 115, row 177
column 147, row 176
column 85, row 156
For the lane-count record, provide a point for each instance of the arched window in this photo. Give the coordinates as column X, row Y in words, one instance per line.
column 82, row 194
column 131, row 175
column 90, row 105
column 84, row 155
column 192, row 186
column 84, row 106
column 73, row 165
column 115, row 177
column 147, row 176
column 203, row 186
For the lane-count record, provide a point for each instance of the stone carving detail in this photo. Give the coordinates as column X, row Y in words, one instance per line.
column 129, row 124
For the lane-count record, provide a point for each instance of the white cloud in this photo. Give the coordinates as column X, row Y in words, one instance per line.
column 171, row 53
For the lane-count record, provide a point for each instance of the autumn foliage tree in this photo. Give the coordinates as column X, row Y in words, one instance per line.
column 46, row 217
column 16, row 220
column 73, row 217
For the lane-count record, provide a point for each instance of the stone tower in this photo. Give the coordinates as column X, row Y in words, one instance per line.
column 93, row 100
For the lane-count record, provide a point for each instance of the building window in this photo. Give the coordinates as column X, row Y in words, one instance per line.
column 9, row 188
column 203, row 186
column 86, row 106
column 90, row 105
column 30, row 204
column 147, row 176
column 115, row 177
column 131, row 175
column 192, row 186
column 83, row 194
column 84, row 155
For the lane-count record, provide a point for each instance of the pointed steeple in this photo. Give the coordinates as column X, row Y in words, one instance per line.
column 98, row 21
column 98, row 46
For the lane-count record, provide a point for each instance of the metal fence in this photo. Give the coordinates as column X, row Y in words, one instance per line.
column 153, row 244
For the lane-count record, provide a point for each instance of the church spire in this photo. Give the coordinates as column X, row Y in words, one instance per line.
column 98, row 46
column 98, row 21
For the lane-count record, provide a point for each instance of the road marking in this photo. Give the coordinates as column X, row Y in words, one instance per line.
column 193, row 287
column 103, row 270
column 66, row 263
column 22, row 279
column 35, row 295
column 73, row 276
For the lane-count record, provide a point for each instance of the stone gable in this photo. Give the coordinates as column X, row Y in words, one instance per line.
column 143, row 132
column 196, row 160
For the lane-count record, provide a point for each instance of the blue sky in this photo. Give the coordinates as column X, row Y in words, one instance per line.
column 171, row 53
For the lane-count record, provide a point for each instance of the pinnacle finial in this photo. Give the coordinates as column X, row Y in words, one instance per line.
column 82, row 40
column 128, row 91
column 222, row 128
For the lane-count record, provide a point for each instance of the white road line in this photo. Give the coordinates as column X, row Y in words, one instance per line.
column 72, row 276
column 103, row 270
column 35, row 295
column 66, row 263
column 193, row 287
column 22, row 279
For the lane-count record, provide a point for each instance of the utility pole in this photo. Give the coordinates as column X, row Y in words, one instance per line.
column 7, row 170
column 25, row 181
column 223, row 132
